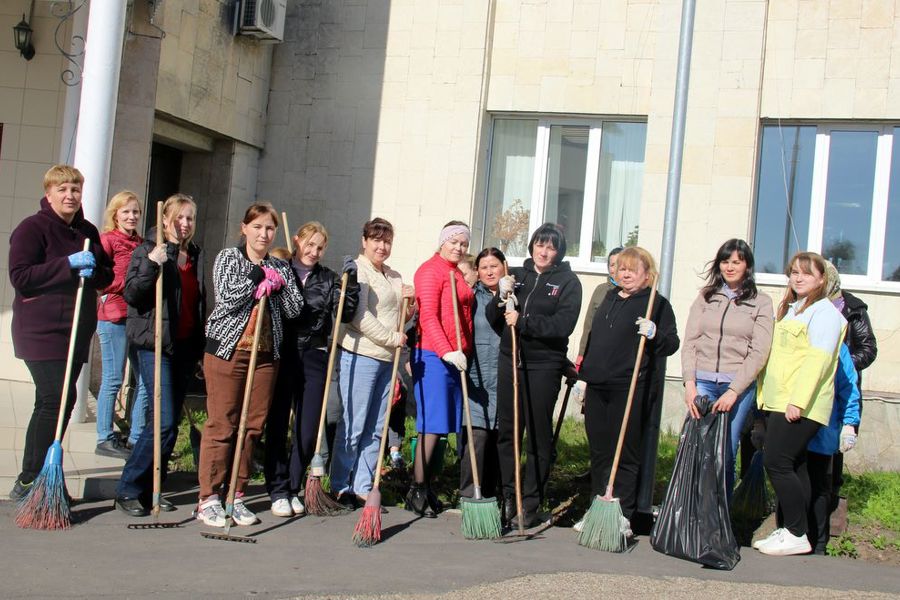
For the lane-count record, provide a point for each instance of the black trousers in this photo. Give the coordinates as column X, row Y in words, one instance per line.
column 487, row 459
column 818, row 467
column 785, row 462
column 604, row 410
column 300, row 384
column 48, row 376
column 538, row 391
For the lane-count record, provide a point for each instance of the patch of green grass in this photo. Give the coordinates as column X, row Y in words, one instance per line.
column 874, row 498
column 842, row 546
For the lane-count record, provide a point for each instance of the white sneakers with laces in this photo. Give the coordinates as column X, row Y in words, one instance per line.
column 297, row 506
column 211, row 513
column 281, row 507
column 241, row 514
column 782, row 542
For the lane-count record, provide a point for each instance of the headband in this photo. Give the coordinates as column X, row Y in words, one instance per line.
column 452, row 230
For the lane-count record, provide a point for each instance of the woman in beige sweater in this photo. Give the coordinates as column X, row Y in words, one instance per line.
column 367, row 349
column 727, row 341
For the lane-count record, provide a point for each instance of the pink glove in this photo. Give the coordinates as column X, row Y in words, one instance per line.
column 272, row 283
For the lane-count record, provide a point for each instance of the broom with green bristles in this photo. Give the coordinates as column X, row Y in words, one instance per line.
column 480, row 516
column 368, row 529
column 603, row 523
column 47, row 506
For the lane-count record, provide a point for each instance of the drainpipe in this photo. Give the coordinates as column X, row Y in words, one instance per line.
column 96, row 122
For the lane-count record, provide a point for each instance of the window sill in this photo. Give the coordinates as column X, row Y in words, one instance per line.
column 851, row 283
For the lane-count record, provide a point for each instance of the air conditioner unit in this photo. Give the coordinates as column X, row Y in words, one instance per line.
column 263, row 19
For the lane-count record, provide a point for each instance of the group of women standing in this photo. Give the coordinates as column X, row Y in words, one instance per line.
column 508, row 334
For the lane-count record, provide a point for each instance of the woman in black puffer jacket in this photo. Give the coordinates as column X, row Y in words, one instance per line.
column 546, row 300
column 301, row 379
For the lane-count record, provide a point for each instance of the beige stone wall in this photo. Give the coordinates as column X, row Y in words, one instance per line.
column 209, row 77
column 32, row 96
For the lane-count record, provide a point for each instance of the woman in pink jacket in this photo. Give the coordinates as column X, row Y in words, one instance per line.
column 119, row 240
column 438, row 361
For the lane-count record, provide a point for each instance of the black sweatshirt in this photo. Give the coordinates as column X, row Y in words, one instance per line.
column 549, row 304
column 613, row 340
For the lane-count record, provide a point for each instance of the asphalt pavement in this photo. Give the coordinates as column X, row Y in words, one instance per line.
column 314, row 557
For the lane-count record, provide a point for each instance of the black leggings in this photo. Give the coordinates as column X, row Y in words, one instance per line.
column 300, row 384
column 538, row 391
column 819, row 468
column 785, row 462
column 48, row 378
column 487, row 459
column 603, row 413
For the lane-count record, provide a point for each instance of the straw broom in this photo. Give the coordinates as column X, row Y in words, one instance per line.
column 480, row 516
column 46, row 505
column 368, row 528
column 603, row 521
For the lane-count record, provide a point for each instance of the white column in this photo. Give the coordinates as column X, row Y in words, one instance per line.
column 73, row 92
column 96, row 122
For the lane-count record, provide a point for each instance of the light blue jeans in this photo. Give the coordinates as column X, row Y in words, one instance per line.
column 364, row 390
column 113, row 347
column 737, row 417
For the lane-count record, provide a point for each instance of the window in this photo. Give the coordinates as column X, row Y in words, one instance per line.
column 585, row 175
column 833, row 189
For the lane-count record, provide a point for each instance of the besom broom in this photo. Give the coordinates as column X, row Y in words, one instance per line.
column 368, row 529
column 480, row 516
column 47, row 506
column 603, row 523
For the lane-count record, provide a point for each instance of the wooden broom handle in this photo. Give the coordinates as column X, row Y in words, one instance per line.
column 631, row 388
column 70, row 355
column 331, row 357
column 287, row 232
column 245, row 405
column 387, row 410
column 157, row 369
column 517, row 450
column 476, row 480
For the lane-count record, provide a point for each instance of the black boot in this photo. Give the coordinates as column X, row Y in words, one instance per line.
column 509, row 510
column 433, row 502
column 417, row 501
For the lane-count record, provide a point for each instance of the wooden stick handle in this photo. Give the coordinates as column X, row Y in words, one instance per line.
column 331, row 357
column 287, row 232
column 470, row 443
column 631, row 388
column 516, row 440
column 245, row 406
column 70, row 355
column 387, row 410
column 157, row 369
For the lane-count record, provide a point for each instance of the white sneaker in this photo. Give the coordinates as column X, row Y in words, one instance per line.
column 786, row 544
column 211, row 512
column 297, row 506
column 625, row 528
column 762, row 542
column 282, row 508
column 241, row 514
column 579, row 526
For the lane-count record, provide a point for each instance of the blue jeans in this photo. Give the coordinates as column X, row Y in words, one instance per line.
column 364, row 390
column 113, row 346
column 137, row 476
column 737, row 417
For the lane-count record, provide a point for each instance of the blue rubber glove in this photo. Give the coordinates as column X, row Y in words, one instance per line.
column 86, row 272
column 82, row 260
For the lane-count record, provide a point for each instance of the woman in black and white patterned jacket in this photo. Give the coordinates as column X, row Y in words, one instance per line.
column 241, row 277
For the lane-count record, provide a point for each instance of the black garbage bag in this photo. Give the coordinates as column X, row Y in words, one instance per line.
column 693, row 521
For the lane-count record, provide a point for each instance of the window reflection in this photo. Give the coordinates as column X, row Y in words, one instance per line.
column 891, row 267
column 619, row 187
column 510, row 183
column 566, row 169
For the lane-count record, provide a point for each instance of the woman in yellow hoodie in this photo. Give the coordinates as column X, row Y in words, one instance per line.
column 797, row 390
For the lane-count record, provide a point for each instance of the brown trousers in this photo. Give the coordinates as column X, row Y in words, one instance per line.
column 225, row 381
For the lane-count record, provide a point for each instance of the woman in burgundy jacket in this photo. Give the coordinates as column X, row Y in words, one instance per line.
column 46, row 261
column 119, row 239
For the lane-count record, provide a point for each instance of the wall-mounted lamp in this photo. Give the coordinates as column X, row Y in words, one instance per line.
column 22, row 33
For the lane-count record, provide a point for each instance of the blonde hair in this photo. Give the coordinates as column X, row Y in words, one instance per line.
column 59, row 174
column 629, row 257
column 311, row 228
column 115, row 203
column 805, row 261
column 173, row 204
column 281, row 252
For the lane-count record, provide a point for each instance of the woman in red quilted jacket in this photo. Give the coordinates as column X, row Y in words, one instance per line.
column 438, row 361
column 119, row 239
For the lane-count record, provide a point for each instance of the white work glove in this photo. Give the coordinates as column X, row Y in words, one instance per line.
column 506, row 285
column 456, row 358
column 158, row 255
column 646, row 328
column 848, row 438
